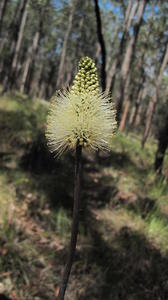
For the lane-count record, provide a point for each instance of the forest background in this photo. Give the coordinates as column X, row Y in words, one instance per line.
column 125, row 192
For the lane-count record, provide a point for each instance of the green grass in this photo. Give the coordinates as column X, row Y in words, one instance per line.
column 123, row 240
column 157, row 228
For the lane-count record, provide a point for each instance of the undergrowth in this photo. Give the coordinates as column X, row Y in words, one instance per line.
column 123, row 240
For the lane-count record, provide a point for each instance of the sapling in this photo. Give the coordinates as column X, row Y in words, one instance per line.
column 82, row 117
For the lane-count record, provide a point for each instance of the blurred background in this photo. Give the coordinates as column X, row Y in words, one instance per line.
column 123, row 239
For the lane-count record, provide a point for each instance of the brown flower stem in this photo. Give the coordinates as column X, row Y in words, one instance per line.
column 75, row 223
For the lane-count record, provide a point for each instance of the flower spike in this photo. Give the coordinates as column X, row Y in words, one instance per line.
column 82, row 115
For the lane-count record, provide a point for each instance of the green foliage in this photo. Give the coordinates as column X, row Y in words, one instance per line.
column 123, row 214
column 157, row 228
column 62, row 222
column 18, row 121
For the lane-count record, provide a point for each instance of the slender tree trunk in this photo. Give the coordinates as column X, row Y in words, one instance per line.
column 141, row 95
column 132, row 114
column 11, row 78
column 126, row 105
column 131, row 95
column 162, row 146
column 75, row 223
column 3, row 6
column 152, row 104
column 14, row 29
column 130, row 12
column 36, row 52
column 31, row 51
column 102, row 45
column 60, row 75
column 129, row 57
column 138, row 115
column 97, row 53
column 33, row 48
column 135, row 108
column 33, row 85
column 125, row 113
column 42, row 92
column 19, row 40
column 109, row 58
column 49, row 80
column 36, row 87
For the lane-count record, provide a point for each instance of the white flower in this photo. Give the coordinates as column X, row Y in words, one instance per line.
column 87, row 119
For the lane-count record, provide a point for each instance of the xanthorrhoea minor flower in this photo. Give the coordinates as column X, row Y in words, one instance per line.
column 82, row 117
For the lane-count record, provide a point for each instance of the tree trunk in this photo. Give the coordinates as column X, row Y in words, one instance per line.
column 31, row 51
column 42, row 90
column 97, row 52
column 35, row 85
column 126, row 106
column 132, row 114
column 60, row 75
column 130, row 12
column 135, row 109
column 19, row 41
column 102, row 45
column 32, row 78
column 152, row 104
column 49, row 80
column 33, row 48
column 129, row 57
column 11, row 77
column 138, row 95
column 3, row 5
column 12, row 28
column 125, row 113
column 138, row 115
column 162, row 146
column 141, row 93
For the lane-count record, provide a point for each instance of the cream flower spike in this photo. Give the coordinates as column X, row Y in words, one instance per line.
column 83, row 115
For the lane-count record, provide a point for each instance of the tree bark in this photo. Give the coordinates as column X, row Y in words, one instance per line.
column 127, row 104
column 18, row 36
column 135, row 117
column 129, row 57
column 135, row 109
column 130, row 12
column 131, row 95
column 141, row 92
column 102, row 45
column 33, row 48
column 49, row 88
column 35, row 85
column 31, row 51
column 125, row 113
column 9, row 40
column 60, row 75
column 3, row 6
column 138, row 114
column 152, row 104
